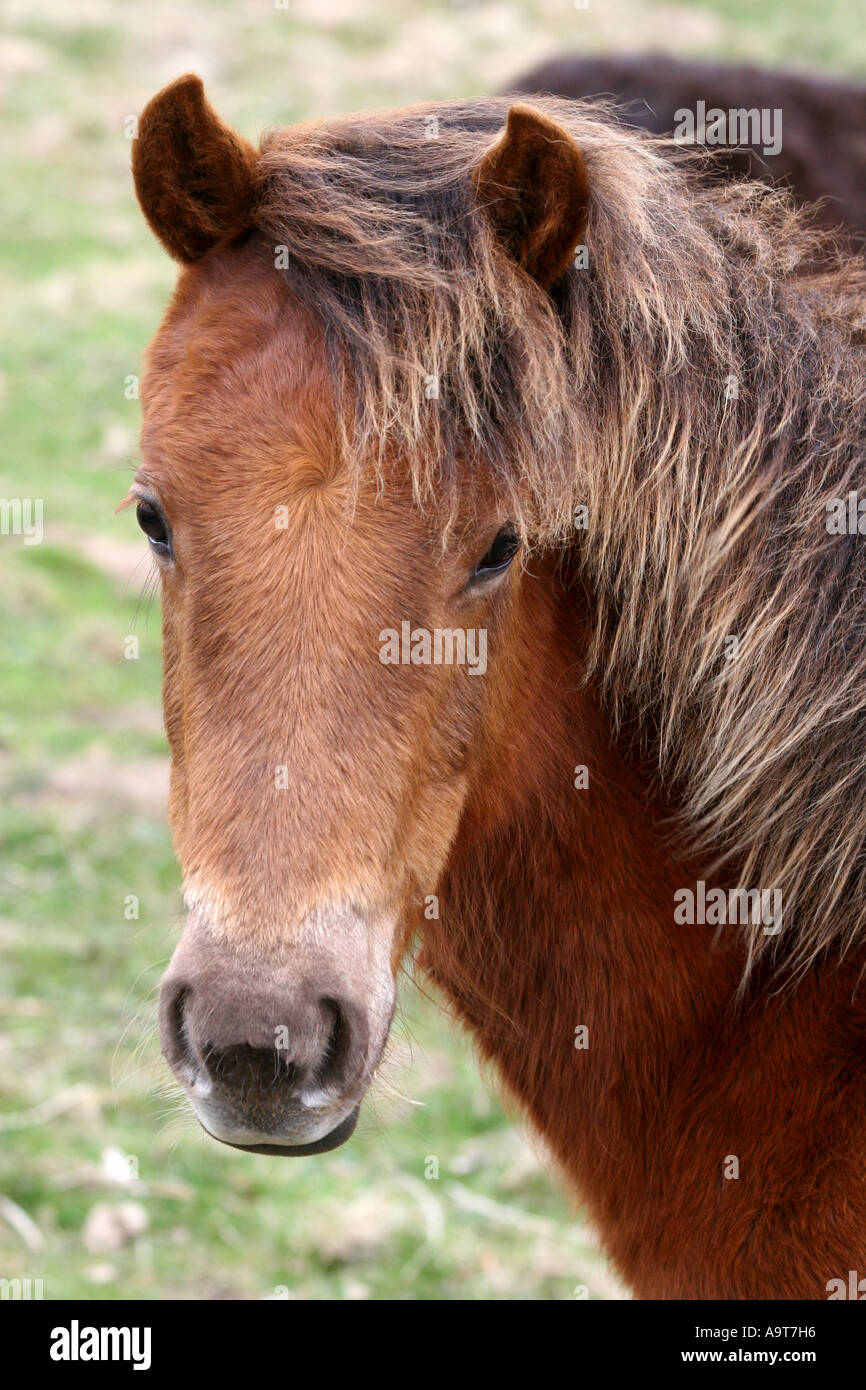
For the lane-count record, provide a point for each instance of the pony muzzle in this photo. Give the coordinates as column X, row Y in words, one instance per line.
column 276, row 1048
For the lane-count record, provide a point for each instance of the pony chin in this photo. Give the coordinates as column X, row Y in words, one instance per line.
column 323, row 1136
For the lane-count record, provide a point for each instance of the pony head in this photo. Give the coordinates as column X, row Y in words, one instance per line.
column 336, row 614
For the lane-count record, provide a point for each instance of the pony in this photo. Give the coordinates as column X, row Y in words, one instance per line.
column 820, row 125
column 517, row 372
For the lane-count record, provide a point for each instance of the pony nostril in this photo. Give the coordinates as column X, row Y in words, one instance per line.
column 332, row 1063
column 345, row 1045
column 176, row 1045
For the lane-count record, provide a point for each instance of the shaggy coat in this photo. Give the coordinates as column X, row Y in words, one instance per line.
column 700, row 387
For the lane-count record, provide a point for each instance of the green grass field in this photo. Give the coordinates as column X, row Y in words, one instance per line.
column 108, row 1189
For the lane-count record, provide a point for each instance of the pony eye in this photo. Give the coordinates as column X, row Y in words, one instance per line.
column 499, row 556
column 153, row 524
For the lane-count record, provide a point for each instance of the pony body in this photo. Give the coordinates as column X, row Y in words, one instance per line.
column 416, row 350
column 716, row 1137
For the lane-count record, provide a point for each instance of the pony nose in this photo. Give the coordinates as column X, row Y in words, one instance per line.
column 275, row 1046
column 300, row 1048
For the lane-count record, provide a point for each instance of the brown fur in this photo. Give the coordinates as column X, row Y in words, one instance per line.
column 532, row 187
column 554, row 913
column 555, row 905
column 194, row 175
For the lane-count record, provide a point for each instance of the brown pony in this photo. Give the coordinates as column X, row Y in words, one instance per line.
column 487, row 457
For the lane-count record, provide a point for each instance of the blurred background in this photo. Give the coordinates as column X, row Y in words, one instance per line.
column 108, row 1189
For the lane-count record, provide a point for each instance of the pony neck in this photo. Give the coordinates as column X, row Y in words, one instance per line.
column 557, row 915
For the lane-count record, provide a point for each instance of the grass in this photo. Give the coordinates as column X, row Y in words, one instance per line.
column 90, row 1127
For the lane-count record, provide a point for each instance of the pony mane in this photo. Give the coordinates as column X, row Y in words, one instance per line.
column 700, row 387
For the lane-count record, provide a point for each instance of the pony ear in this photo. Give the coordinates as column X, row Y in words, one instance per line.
column 194, row 177
column 533, row 187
